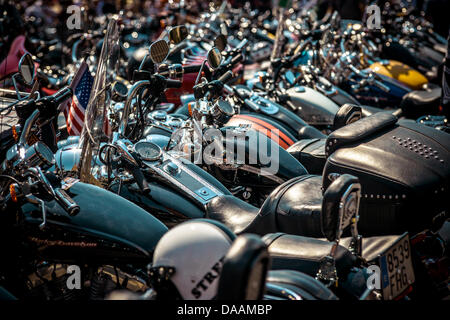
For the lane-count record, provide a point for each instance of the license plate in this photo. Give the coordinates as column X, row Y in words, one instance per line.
column 397, row 272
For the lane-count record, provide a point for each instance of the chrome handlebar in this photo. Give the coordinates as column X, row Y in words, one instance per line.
column 126, row 109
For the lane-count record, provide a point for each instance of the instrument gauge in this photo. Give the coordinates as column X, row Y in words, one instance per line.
column 148, row 151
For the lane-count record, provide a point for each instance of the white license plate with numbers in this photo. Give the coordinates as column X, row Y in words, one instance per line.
column 397, row 272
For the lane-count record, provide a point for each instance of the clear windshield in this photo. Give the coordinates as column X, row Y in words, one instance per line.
column 96, row 125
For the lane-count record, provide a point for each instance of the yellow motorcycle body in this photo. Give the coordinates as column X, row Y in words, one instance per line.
column 400, row 72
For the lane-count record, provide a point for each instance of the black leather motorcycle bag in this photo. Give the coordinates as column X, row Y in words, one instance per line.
column 403, row 168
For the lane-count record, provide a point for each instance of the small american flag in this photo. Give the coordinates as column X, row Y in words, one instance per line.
column 75, row 108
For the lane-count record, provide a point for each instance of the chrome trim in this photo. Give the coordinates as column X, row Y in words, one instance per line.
column 356, row 244
column 174, row 181
column 263, row 172
column 284, row 292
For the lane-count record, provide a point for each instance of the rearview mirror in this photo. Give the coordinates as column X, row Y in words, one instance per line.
column 178, row 34
column 220, row 42
column 214, row 58
column 120, row 91
column 27, row 69
column 159, row 51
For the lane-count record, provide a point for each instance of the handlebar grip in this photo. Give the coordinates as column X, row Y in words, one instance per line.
column 173, row 83
column 227, row 76
column 354, row 69
column 66, row 202
column 62, row 95
column 52, row 105
column 140, row 179
column 242, row 44
column 259, row 35
column 192, row 68
column 252, row 105
column 236, row 59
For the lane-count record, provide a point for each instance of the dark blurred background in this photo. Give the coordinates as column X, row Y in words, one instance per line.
column 53, row 12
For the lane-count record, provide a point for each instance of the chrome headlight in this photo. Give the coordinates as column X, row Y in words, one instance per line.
column 37, row 155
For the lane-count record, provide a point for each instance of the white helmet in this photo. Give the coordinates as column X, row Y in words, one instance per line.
column 190, row 256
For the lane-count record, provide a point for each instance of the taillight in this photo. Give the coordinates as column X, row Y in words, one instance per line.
column 405, row 293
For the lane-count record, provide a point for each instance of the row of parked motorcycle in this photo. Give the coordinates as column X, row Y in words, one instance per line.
column 244, row 156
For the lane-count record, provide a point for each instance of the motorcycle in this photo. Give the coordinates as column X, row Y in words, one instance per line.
column 55, row 224
column 360, row 170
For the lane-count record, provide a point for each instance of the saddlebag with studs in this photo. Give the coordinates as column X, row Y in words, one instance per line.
column 403, row 168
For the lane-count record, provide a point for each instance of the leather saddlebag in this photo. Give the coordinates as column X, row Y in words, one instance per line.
column 403, row 168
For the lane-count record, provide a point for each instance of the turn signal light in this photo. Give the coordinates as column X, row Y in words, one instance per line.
column 15, row 133
column 13, row 191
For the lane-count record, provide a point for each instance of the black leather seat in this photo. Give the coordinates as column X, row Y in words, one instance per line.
column 419, row 102
column 304, row 254
column 246, row 265
column 369, row 110
column 310, row 150
column 359, row 131
column 283, row 210
column 310, row 132
column 236, row 214
column 305, row 208
column 303, row 285
column 300, row 205
column 295, row 207
column 310, row 153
